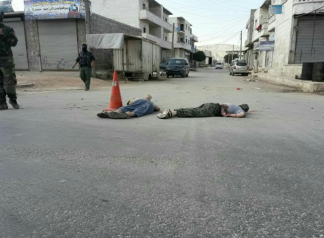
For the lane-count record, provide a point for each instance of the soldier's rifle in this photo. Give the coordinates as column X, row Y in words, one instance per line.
column 1, row 18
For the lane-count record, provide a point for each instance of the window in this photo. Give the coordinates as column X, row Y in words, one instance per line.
column 144, row 6
column 144, row 30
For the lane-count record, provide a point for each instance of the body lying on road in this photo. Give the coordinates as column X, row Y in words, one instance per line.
column 207, row 110
column 134, row 108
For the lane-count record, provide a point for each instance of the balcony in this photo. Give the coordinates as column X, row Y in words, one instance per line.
column 264, row 31
column 182, row 46
column 194, row 38
column 153, row 19
column 306, row 6
column 248, row 43
column 164, row 44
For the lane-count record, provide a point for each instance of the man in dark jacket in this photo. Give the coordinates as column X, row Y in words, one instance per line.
column 8, row 80
column 86, row 61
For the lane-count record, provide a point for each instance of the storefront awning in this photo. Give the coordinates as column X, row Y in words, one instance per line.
column 108, row 41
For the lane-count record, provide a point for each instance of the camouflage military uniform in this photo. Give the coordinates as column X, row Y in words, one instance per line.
column 8, row 79
column 205, row 110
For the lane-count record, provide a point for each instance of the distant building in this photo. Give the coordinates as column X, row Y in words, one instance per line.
column 184, row 39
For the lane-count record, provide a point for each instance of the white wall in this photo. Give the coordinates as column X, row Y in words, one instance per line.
column 283, row 35
column 125, row 11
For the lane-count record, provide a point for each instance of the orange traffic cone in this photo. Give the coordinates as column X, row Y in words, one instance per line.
column 115, row 99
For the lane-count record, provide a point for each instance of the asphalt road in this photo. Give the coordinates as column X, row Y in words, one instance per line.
column 66, row 173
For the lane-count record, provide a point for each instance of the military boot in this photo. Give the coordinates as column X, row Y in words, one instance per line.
column 14, row 104
column 3, row 106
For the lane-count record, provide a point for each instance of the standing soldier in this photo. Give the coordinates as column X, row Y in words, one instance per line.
column 8, row 79
column 86, row 61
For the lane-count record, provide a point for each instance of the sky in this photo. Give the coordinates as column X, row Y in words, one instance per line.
column 213, row 21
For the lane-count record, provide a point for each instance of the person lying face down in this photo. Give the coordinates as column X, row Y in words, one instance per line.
column 207, row 110
column 135, row 108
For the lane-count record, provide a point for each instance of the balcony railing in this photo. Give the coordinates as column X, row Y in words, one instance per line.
column 160, row 42
column 151, row 17
column 182, row 46
column 194, row 38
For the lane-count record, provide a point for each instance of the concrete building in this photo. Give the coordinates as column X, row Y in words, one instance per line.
column 184, row 39
column 148, row 15
column 298, row 34
column 249, row 53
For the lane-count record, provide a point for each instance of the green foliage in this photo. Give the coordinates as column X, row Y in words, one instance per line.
column 199, row 56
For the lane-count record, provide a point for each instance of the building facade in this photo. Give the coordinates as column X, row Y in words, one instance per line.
column 297, row 32
column 249, row 52
column 184, row 39
column 148, row 15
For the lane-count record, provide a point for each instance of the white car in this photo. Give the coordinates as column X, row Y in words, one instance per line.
column 219, row 66
column 239, row 67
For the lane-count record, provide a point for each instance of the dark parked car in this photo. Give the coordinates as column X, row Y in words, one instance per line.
column 178, row 66
column 163, row 66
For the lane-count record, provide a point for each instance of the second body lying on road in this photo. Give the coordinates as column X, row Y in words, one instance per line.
column 208, row 110
column 134, row 108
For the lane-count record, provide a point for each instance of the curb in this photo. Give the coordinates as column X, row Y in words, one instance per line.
column 305, row 86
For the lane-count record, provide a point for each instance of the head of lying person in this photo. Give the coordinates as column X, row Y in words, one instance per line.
column 131, row 101
column 245, row 107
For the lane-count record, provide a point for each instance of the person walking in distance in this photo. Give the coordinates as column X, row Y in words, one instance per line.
column 256, row 65
column 86, row 61
column 8, row 80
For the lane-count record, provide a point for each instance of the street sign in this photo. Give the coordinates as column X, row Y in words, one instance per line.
column 267, row 45
column 5, row 6
column 256, row 46
column 275, row 9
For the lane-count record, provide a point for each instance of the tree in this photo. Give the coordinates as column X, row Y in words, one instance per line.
column 199, row 56
column 228, row 58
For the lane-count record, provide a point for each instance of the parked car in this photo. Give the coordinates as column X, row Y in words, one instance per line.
column 219, row 66
column 163, row 66
column 239, row 67
column 178, row 66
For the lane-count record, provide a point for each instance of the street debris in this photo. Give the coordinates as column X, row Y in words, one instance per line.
column 257, row 88
column 298, row 77
column 250, row 80
column 239, row 89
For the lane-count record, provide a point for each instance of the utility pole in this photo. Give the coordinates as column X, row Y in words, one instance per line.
column 87, row 13
column 173, row 41
column 232, row 54
column 241, row 46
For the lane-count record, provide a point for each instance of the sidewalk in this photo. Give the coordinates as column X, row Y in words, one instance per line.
column 43, row 81
column 305, row 86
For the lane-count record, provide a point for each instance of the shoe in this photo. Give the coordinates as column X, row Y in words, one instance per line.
column 4, row 106
column 165, row 115
column 103, row 115
column 14, row 104
column 117, row 115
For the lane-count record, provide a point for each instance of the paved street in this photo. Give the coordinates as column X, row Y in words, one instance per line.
column 66, row 173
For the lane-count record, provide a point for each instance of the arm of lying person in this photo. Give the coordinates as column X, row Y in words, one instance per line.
column 239, row 115
column 156, row 108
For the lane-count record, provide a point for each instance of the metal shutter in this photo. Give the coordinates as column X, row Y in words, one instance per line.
column 58, row 44
column 304, row 52
column 19, row 52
